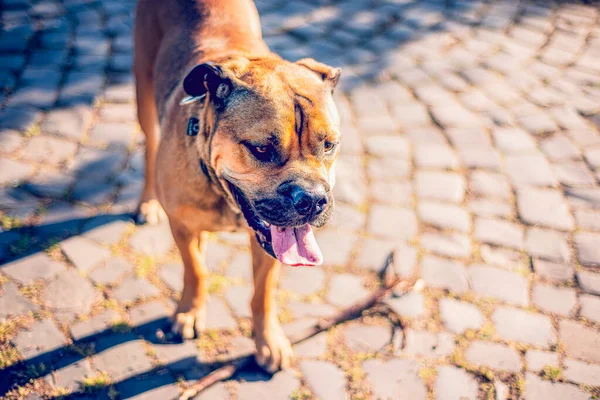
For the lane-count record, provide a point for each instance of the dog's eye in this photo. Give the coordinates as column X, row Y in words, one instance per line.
column 329, row 146
column 264, row 153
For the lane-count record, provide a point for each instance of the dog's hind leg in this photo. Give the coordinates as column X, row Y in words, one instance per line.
column 273, row 349
column 147, row 41
column 190, row 317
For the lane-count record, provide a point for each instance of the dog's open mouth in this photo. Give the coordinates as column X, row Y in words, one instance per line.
column 294, row 246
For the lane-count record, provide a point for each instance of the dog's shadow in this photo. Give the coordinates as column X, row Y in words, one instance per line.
column 161, row 381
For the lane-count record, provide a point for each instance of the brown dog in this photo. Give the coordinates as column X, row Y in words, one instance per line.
column 253, row 149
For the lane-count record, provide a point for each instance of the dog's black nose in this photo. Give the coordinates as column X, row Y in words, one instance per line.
column 307, row 202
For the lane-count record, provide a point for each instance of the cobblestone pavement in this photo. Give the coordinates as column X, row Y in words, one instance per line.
column 471, row 147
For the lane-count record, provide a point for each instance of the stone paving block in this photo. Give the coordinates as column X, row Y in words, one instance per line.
column 217, row 255
column 380, row 168
column 313, row 347
column 69, row 295
column 12, row 172
column 240, row 266
column 480, row 158
column 580, row 341
column 110, row 271
column 581, row 372
column 324, row 379
column 158, row 385
column 336, row 246
column 435, row 156
column 96, row 193
column 69, row 377
column 304, row 281
column 134, row 288
column 83, row 253
column 398, row 223
column 373, row 253
column 502, row 390
column 12, row 303
column 426, row 135
column 41, row 339
column 590, row 307
column 547, row 244
column 539, row 389
column 588, row 248
column 451, row 245
column 589, row 282
column 111, row 134
column 529, row 169
column 493, row 355
column 152, row 240
column 52, row 184
column 499, row 232
column 122, row 361
column 411, row 305
column 559, row 148
column 544, row 207
column 523, row 326
column 574, row 174
column 444, row 186
column 489, row 184
column 345, row 289
column 347, row 218
column 459, row 316
column 490, row 208
column 499, row 284
column 444, row 216
column 302, row 309
column 464, row 138
column 388, row 146
column 393, row 193
column 536, row 360
column 11, row 141
column 444, row 274
column 239, row 298
column 427, row 344
column 454, row 383
column 554, row 272
column 279, row 387
column 172, row 275
column 19, row 118
column 513, row 140
column 391, row 379
column 178, row 356
column 367, row 338
column 560, row 301
column 149, row 316
column 218, row 315
column 99, row 164
column 410, row 115
column 98, row 324
column 43, row 149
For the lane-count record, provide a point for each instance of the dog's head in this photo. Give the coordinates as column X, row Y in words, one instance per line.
column 273, row 139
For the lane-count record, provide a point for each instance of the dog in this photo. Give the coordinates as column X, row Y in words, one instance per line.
column 236, row 139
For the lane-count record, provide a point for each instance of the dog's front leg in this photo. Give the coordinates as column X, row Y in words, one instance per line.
column 190, row 317
column 273, row 349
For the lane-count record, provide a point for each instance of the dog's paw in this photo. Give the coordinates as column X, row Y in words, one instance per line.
column 150, row 212
column 189, row 324
column 273, row 349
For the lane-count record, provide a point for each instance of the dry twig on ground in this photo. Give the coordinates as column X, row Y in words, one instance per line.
column 354, row 311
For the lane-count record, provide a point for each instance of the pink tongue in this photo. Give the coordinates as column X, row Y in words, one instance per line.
column 296, row 246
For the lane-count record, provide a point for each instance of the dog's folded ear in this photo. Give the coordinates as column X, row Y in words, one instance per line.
column 328, row 74
column 207, row 78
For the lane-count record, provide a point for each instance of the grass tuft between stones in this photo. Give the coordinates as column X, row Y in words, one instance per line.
column 94, row 383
